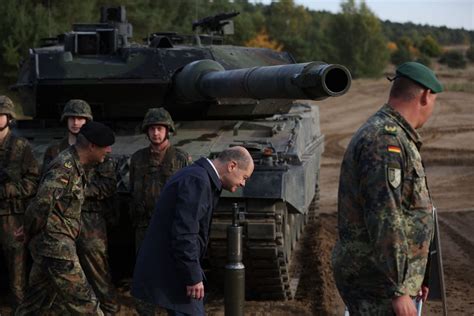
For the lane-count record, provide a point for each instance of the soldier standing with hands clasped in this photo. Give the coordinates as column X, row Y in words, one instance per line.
column 18, row 182
column 57, row 283
column 385, row 212
column 101, row 186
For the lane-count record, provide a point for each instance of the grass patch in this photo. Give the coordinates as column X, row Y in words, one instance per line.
column 460, row 87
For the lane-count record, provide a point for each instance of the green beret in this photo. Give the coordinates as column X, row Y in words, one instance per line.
column 98, row 133
column 420, row 74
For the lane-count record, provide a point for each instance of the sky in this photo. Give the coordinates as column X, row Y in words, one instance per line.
column 449, row 13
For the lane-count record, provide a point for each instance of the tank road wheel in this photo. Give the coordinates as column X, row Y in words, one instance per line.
column 268, row 275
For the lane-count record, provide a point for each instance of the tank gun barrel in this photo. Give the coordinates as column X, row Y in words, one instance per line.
column 206, row 80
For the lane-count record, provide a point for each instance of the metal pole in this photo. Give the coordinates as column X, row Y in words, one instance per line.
column 234, row 289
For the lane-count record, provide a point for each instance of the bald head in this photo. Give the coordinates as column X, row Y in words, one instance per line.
column 235, row 166
column 238, row 154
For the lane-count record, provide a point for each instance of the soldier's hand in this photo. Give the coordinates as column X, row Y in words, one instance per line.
column 195, row 291
column 403, row 306
column 423, row 294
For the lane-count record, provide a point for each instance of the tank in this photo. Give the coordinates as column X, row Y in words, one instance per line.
column 220, row 96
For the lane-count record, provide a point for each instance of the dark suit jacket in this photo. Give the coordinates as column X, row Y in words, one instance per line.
column 176, row 239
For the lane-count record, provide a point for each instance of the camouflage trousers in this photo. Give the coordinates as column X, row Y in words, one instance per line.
column 370, row 307
column 93, row 256
column 58, row 287
column 15, row 253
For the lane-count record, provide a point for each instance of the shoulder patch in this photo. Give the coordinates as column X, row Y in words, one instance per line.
column 394, row 176
column 391, row 129
column 68, row 164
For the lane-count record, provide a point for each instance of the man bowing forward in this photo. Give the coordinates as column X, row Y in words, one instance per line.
column 168, row 270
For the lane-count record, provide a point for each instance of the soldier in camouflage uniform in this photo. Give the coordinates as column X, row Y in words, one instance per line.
column 18, row 182
column 150, row 168
column 101, row 185
column 76, row 113
column 57, row 284
column 385, row 214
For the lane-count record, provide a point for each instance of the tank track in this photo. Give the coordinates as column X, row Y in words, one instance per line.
column 269, row 271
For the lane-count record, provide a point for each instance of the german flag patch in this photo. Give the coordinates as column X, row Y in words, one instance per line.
column 394, row 149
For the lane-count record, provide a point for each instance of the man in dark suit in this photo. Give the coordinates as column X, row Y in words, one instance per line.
column 168, row 271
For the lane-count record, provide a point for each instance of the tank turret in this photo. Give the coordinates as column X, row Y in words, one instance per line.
column 218, row 96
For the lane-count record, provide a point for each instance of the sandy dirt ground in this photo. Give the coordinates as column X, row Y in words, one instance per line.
column 448, row 152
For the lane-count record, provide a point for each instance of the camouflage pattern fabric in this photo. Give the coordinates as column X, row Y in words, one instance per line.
column 77, row 107
column 149, row 172
column 53, row 223
column 18, row 183
column 92, row 242
column 58, row 287
column 157, row 116
column 374, row 307
column 52, row 152
column 384, row 213
column 6, row 106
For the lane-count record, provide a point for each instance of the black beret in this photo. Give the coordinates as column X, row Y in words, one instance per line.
column 420, row 74
column 98, row 133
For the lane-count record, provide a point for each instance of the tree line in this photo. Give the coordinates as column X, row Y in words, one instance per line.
column 355, row 37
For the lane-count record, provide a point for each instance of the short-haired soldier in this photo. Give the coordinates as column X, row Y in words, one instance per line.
column 96, row 209
column 57, row 281
column 385, row 212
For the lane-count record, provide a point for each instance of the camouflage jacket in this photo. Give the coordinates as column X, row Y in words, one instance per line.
column 384, row 210
column 101, row 179
column 53, row 151
column 148, row 174
column 53, row 218
column 19, row 174
column 101, row 186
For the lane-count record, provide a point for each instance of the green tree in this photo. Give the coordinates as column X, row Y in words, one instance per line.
column 406, row 51
column 425, row 60
column 358, row 42
column 454, row 59
column 430, row 47
column 21, row 26
column 470, row 53
column 25, row 23
column 287, row 23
